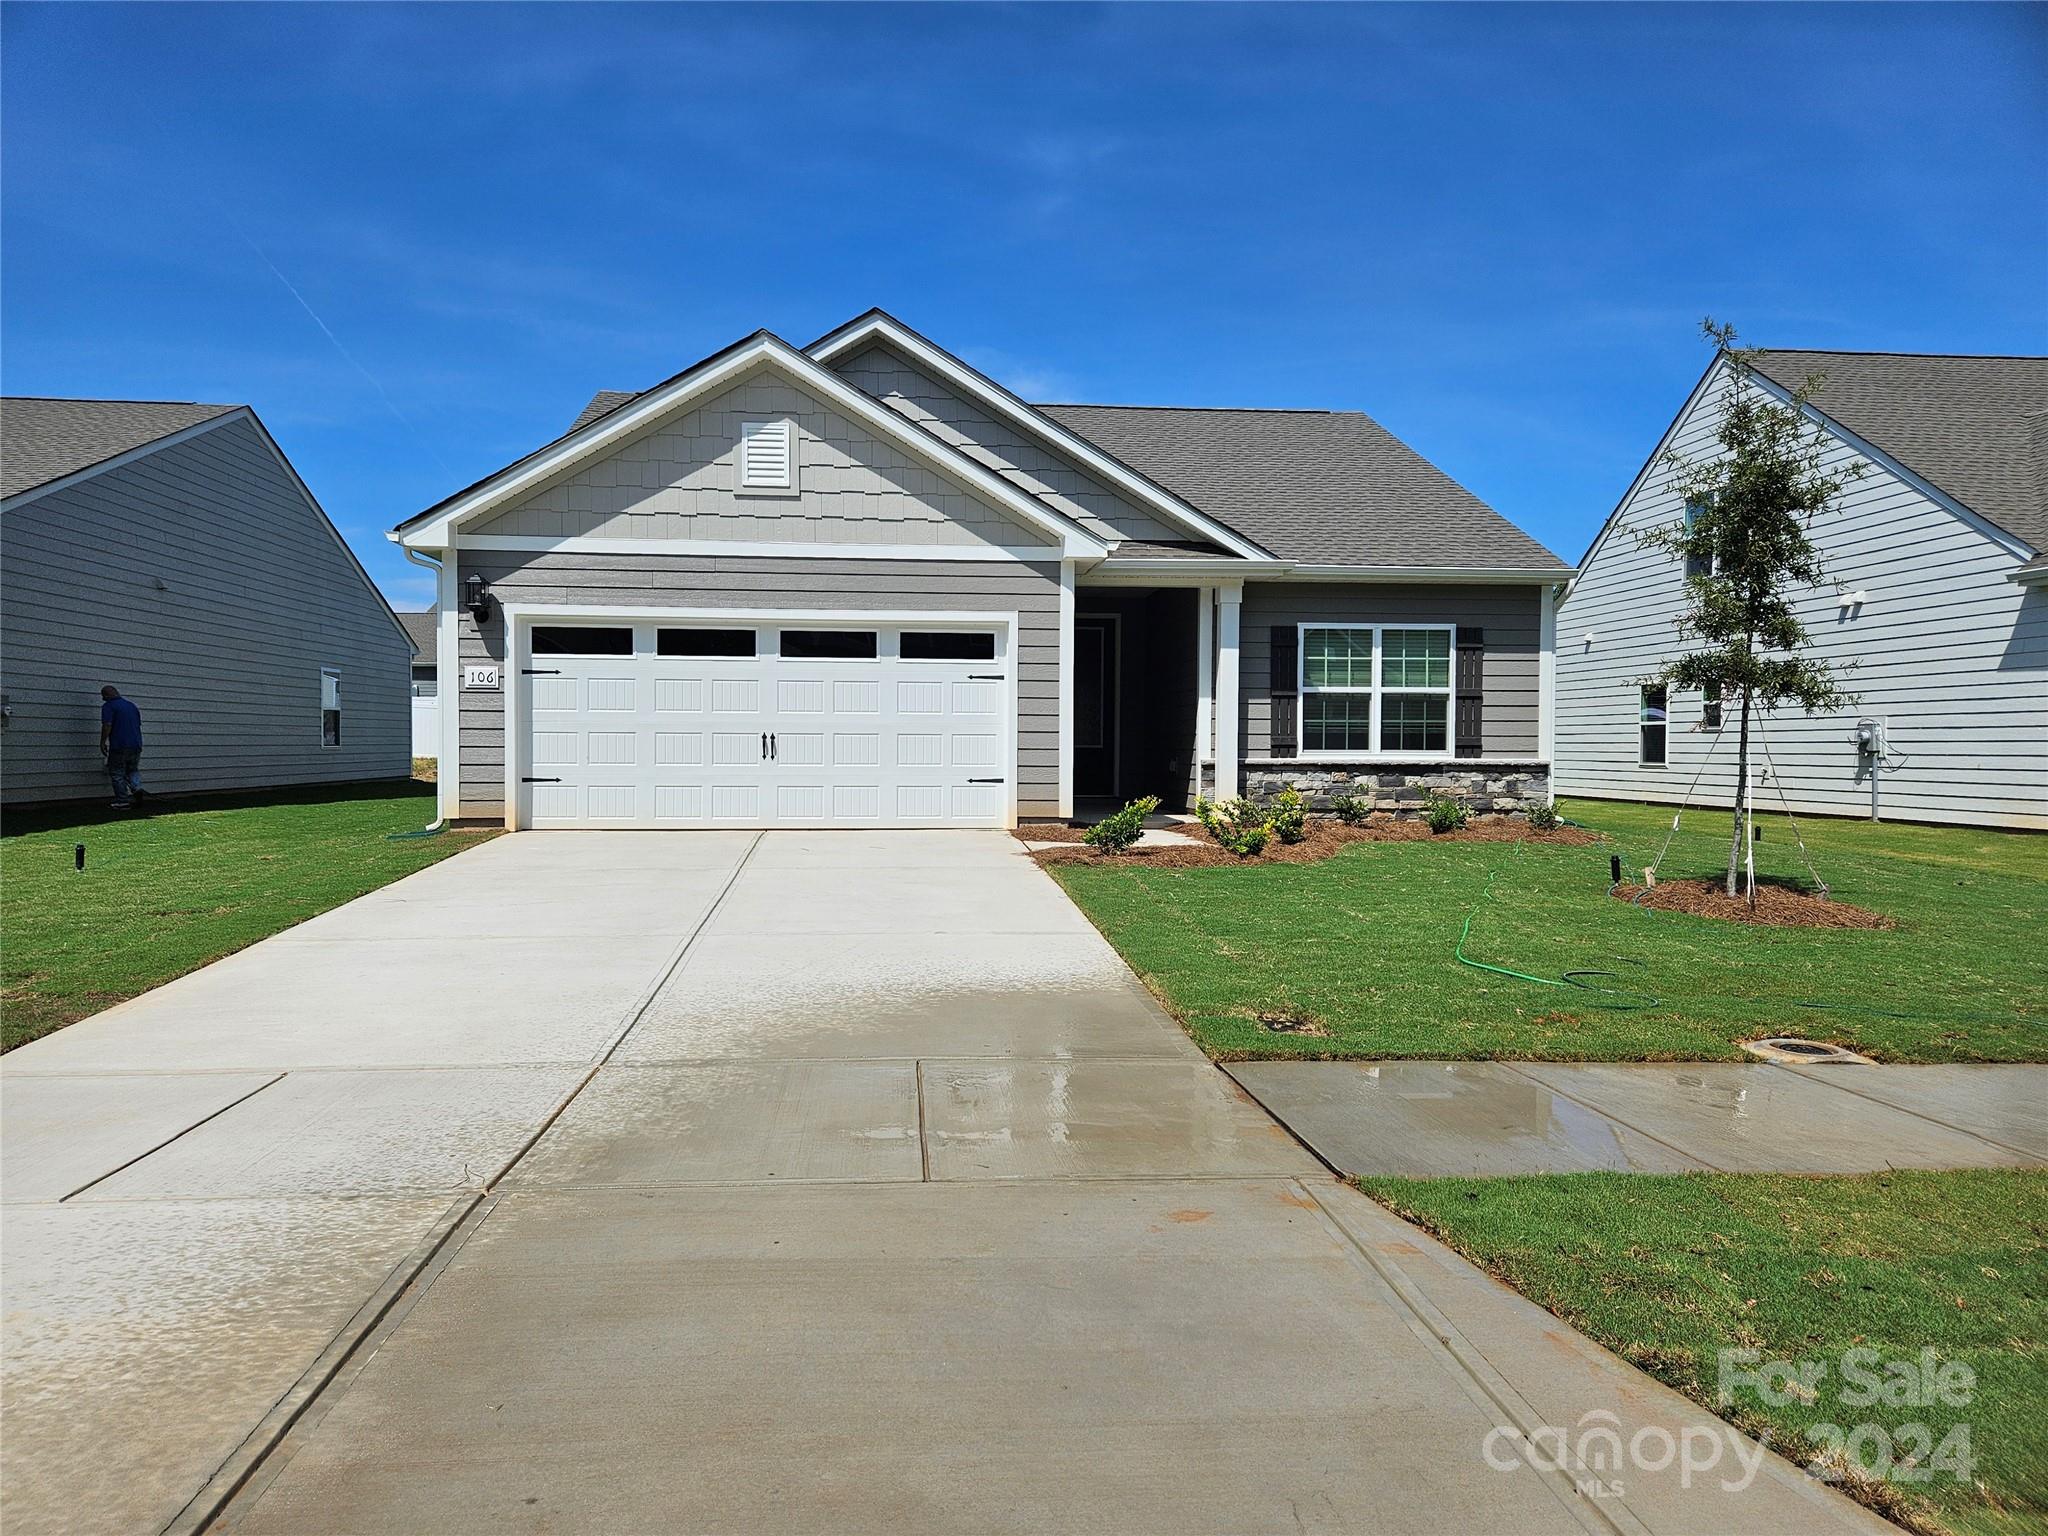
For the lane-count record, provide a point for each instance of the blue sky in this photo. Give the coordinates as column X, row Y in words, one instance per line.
column 1494, row 229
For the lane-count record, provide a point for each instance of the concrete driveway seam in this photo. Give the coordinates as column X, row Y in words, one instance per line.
column 202, row 1120
column 1608, row 1114
column 1812, row 1076
column 1482, row 1382
column 254, row 1454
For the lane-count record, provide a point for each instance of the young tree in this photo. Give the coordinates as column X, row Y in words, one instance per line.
column 1744, row 542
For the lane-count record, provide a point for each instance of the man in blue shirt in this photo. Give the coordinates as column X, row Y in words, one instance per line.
column 121, row 740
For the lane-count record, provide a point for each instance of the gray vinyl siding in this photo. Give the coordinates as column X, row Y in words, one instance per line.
column 199, row 581
column 1510, row 618
column 1054, row 480
column 1031, row 591
column 1946, row 649
column 679, row 480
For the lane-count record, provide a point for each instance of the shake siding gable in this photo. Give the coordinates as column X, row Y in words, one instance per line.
column 200, row 581
column 1945, row 649
column 1029, row 590
column 880, row 371
column 679, row 479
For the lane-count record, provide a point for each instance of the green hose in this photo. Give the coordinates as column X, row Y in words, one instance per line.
column 433, row 830
column 1624, row 1000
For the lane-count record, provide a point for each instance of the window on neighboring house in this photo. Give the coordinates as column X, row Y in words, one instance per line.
column 330, row 707
column 1710, row 709
column 768, row 455
column 1696, row 565
column 1384, row 691
column 1653, row 714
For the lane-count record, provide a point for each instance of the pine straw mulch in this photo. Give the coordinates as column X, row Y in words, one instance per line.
column 1326, row 835
column 1777, row 906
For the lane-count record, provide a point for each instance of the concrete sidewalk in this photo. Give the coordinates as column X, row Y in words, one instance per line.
column 1428, row 1119
column 823, row 1182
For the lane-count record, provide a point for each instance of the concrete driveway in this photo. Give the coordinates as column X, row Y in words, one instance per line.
column 806, row 1182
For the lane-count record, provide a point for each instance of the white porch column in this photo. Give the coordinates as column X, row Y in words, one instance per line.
column 1227, row 598
column 448, row 690
column 1546, row 690
column 1205, row 680
column 1066, row 801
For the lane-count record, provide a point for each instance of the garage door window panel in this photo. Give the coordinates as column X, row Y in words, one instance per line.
column 705, row 642
column 947, row 645
column 582, row 640
column 829, row 644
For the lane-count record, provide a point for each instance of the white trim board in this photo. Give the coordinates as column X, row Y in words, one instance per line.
column 878, row 326
column 435, row 528
column 765, row 549
column 520, row 617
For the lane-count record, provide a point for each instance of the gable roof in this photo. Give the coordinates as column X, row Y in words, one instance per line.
column 1969, row 426
column 44, row 439
column 602, row 429
column 419, row 628
column 1318, row 487
column 878, row 325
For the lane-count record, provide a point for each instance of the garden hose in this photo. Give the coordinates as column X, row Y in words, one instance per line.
column 432, row 829
column 1624, row 1000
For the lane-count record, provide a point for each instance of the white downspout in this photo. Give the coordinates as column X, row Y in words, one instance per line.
column 444, row 763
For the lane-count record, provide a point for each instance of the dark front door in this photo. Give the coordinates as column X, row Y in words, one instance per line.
column 1095, row 657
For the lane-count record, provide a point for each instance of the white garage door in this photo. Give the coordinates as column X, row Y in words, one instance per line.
column 723, row 724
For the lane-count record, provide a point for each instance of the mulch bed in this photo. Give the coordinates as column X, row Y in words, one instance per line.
column 1326, row 836
column 1776, row 906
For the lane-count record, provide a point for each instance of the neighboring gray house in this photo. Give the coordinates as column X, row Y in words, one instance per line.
column 860, row 584
column 169, row 549
column 426, row 702
column 1939, row 559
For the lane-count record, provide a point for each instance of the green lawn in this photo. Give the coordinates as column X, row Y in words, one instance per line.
column 1362, row 946
column 1669, row 1269
column 167, row 892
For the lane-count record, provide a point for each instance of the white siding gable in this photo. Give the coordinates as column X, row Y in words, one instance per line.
column 1945, row 650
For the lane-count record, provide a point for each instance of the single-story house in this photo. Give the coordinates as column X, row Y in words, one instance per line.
column 1937, row 615
column 426, row 686
column 170, row 549
column 860, row 584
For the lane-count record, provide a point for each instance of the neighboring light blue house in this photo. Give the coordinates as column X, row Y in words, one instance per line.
column 170, row 549
column 1939, row 556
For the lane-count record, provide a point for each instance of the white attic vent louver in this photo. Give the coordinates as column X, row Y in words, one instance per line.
column 765, row 456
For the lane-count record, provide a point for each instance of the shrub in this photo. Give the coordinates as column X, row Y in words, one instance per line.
column 1287, row 815
column 1351, row 809
column 1544, row 818
column 1113, row 834
column 1444, row 814
column 1237, row 825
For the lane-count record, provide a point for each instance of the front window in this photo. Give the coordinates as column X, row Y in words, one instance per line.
column 330, row 707
column 1372, row 690
column 1653, row 720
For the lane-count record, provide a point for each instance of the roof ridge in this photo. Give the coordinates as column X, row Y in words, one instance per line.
column 1956, row 357
column 1263, row 410
column 212, row 405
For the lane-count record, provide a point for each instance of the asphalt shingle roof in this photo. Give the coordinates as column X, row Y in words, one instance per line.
column 1322, row 487
column 419, row 627
column 43, row 439
column 1971, row 426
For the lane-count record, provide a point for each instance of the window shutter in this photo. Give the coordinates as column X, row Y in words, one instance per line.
column 1471, row 690
column 1284, row 687
column 764, row 453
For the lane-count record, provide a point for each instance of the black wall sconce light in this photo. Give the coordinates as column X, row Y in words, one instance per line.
column 476, row 597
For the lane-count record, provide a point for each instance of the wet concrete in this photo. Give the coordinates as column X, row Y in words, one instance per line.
column 144, row 1341
column 1484, row 1119
column 1098, row 1119
column 63, row 1133
column 736, row 1121
column 1428, row 1118
column 906, row 1226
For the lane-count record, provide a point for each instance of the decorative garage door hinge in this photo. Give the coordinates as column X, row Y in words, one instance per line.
column 988, row 781
column 540, row 671
column 525, row 780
